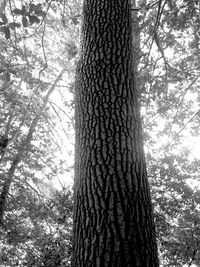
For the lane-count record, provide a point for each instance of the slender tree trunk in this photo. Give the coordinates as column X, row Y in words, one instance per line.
column 6, row 186
column 9, row 177
column 113, row 224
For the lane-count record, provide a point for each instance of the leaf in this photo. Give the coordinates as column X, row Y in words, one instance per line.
column 18, row 11
column 24, row 10
column 24, row 21
column 4, row 18
column 2, row 70
column 14, row 25
column 75, row 20
column 31, row 8
column 13, row 71
column 38, row 10
column 33, row 19
column 2, row 29
column 38, row 7
column 7, row 76
column 2, row 23
column 7, row 33
column 40, row 13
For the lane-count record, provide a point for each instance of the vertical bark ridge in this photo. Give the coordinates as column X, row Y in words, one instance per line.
column 113, row 223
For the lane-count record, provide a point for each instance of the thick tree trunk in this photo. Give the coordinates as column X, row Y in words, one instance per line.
column 113, row 224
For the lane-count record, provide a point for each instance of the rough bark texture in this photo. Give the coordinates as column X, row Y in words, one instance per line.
column 113, row 223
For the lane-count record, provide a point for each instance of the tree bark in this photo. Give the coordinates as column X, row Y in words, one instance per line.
column 113, row 222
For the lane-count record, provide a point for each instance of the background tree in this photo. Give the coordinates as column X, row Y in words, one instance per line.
column 31, row 168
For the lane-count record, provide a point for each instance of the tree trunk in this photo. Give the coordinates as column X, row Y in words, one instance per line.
column 113, row 224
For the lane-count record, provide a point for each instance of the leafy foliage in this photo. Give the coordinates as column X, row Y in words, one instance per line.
column 35, row 205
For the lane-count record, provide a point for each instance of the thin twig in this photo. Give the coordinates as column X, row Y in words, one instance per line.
column 177, row 134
